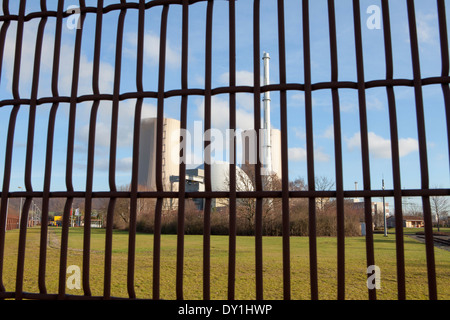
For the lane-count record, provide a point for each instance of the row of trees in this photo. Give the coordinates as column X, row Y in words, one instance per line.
column 326, row 216
column 325, row 210
column 326, row 221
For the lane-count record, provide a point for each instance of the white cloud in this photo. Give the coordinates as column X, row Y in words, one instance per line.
column 299, row 132
column 407, row 146
column 373, row 103
column 320, row 156
column 299, row 154
column 299, row 99
column 103, row 124
column 151, row 50
column 243, row 78
column 102, row 164
column 380, row 147
column 220, row 110
column 106, row 74
column 426, row 33
column 329, row 132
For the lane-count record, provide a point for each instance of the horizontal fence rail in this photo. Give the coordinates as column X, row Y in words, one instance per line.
column 30, row 104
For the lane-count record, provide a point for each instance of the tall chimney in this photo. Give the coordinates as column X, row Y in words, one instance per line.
column 266, row 101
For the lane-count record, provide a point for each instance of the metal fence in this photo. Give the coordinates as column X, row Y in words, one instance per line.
column 32, row 103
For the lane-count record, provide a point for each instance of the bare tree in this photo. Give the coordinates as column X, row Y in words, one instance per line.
column 122, row 207
column 246, row 207
column 440, row 207
column 323, row 183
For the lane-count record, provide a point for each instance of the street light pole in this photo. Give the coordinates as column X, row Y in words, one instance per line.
column 20, row 208
column 384, row 212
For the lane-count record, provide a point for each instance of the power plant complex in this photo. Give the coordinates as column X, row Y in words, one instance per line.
column 269, row 153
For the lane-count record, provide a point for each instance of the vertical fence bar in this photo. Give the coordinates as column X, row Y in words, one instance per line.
column 91, row 150
column 49, row 151
column 159, row 140
column 258, row 167
column 136, row 143
column 422, row 150
column 310, row 153
column 364, row 138
column 183, row 142
column 21, row 249
column 26, row 206
column 337, row 154
column 443, row 36
column 395, row 154
column 6, row 182
column 69, row 160
column 232, row 203
column 284, row 155
column 113, row 153
column 157, row 251
column 8, row 153
column 29, row 150
column 208, row 201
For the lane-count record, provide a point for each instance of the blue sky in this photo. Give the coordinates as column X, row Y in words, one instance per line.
column 377, row 109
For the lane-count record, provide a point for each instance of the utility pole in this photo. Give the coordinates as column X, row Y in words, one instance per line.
column 384, row 211
column 20, row 208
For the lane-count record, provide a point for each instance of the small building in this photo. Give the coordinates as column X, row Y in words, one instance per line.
column 377, row 207
column 195, row 182
column 408, row 222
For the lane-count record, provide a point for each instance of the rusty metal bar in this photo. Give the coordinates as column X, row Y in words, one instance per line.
column 309, row 154
column 422, row 150
column 337, row 155
column 395, row 154
column 91, row 152
column 258, row 166
column 30, row 143
column 183, row 143
column 112, row 155
column 69, row 160
column 364, row 138
column 232, row 115
column 159, row 139
column 26, row 206
column 284, row 154
column 136, row 143
column 445, row 63
column 237, row 89
column 8, row 154
column 49, row 151
column 207, row 154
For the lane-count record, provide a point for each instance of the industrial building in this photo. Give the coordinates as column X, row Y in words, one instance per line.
column 170, row 153
column 269, row 155
column 249, row 152
column 220, row 181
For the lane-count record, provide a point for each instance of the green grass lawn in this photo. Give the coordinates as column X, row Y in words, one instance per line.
column 415, row 260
